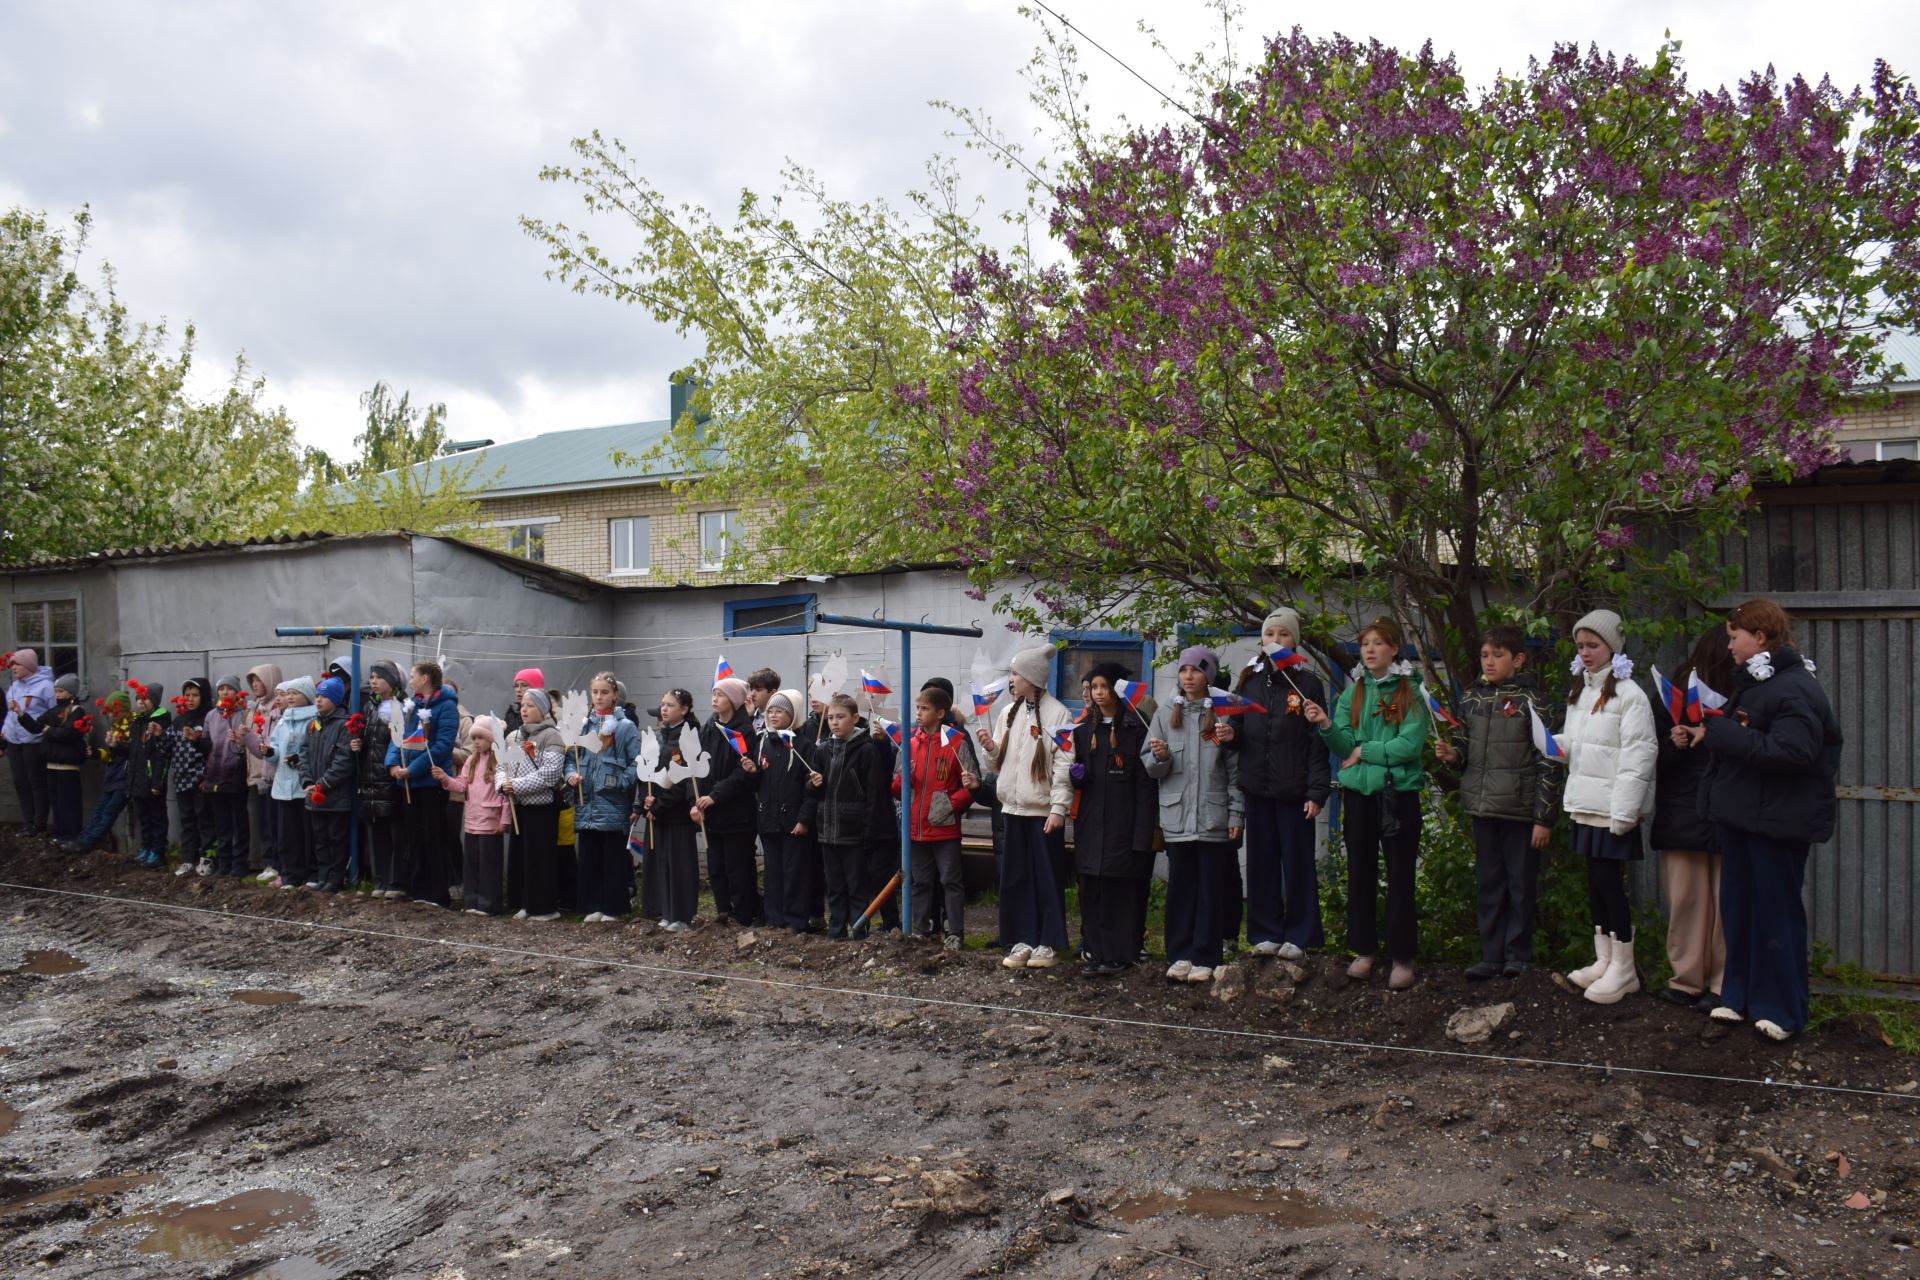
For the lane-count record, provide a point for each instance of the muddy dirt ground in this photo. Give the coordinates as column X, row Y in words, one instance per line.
column 711, row 1104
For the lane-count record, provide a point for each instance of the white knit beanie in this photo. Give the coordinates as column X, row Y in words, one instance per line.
column 1034, row 665
column 1604, row 623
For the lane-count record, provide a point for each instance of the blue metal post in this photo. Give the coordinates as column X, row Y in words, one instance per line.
column 906, row 786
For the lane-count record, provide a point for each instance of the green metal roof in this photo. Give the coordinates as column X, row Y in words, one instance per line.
column 581, row 458
column 1902, row 348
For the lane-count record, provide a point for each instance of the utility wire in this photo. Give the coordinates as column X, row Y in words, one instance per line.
column 1164, row 95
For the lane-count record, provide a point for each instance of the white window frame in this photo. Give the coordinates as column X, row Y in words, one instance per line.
column 545, row 522
column 645, row 546
column 45, row 646
column 1880, row 448
column 729, row 532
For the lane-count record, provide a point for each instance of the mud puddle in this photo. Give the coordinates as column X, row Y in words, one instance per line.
column 1281, row 1205
column 196, row 1232
column 51, row 963
column 266, row 997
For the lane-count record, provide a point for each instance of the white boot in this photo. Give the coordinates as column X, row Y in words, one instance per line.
column 1621, row 976
column 1602, row 952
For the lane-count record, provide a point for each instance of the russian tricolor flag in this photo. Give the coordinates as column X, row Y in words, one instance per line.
column 1433, row 705
column 738, row 739
column 1680, row 707
column 1132, row 692
column 1285, row 659
column 872, row 684
column 891, row 729
column 722, row 670
column 949, row 735
column 1063, row 737
column 1227, row 703
column 1543, row 740
column 1709, row 702
column 984, row 695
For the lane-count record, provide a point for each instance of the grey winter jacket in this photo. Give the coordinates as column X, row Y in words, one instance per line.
column 1200, row 794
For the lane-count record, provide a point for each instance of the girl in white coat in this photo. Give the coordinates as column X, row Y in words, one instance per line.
column 1610, row 751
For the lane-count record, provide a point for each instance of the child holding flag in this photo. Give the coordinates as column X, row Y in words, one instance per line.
column 847, row 789
column 1035, row 788
column 293, row 853
column 726, row 810
column 1200, row 813
column 186, row 766
column 147, row 758
column 327, row 768
column 484, row 819
column 1511, row 792
column 784, row 805
column 1611, row 754
column 1286, row 777
column 116, row 711
column 1378, row 730
column 942, row 791
column 1687, row 843
column 1113, row 823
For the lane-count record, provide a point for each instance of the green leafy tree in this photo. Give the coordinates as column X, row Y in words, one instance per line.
column 811, row 327
column 397, row 480
column 101, row 444
column 1358, row 334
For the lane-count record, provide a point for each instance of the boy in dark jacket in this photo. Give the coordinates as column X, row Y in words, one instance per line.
column 186, row 769
column 64, row 748
column 147, row 757
column 844, row 781
column 1511, row 792
column 326, row 765
column 785, row 815
column 116, row 709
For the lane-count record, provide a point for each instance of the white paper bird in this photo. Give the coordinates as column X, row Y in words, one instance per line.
column 647, row 766
column 698, row 763
column 832, row 675
column 573, row 716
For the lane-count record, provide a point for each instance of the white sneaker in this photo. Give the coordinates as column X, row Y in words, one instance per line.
column 521, row 914
column 1290, row 952
column 551, row 915
column 1266, row 948
column 266, row 875
column 206, row 867
column 311, row 884
column 282, row 884
column 1042, row 958
column 664, row 922
column 475, row 911
column 592, row 917
column 1017, row 958
column 679, row 926
column 1178, row 970
column 1772, row 1030
column 1199, row 973
column 1726, row 1013
column 185, row 868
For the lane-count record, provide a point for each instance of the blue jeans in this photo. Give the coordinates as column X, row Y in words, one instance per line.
column 1765, row 922
column 112, row 804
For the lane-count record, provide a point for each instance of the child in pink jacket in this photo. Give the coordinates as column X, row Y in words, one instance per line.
column 483, row 832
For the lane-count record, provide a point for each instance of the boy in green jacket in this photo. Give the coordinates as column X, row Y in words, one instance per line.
column 1379, row 731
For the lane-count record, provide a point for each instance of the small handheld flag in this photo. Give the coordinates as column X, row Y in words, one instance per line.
column 1063, row 737
column 891, row 729
column 636, row 847
column 949, row 735
column 785, row 735
column 1709, row 702
column 722, row 670
column 1433, row 705
column 1679, row 706
column 871, row 684
column 1227, row 703
column 984, row 695
column 737, row 739
column 1132, row 692
column 1543, row 740
column 1285, row 659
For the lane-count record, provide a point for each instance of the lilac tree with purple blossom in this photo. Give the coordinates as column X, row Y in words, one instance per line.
column 1361, row 334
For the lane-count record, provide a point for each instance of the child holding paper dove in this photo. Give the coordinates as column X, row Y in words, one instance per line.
column 485, row 820
column 785, row 807
column 528, row 774
column 606, row 781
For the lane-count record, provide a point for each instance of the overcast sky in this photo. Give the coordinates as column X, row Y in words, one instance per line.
column 333, row 188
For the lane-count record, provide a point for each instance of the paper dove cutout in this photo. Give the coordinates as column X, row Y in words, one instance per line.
column 573, row 716
column 696, row 763
column 832, row 675
column 647, row 766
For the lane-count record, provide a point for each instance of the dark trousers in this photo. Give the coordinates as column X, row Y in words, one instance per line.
column 154, row 821
column 1142, row 899
column 421, row 868
column 232, row 831
column 327, row 834
column 773, row 858
column 381, row 849
column 936, row 882
column 481, row 864
column 1107, row 910
column 1283, row 885
column 1196, row 907
column 196, row 825
column 670, row 884
column 536, row 869
column 1032, row 902
column 293, row 843
column 800, row 884
column 1387, row 823
column 1506, row 874
column 1765, row 922
column 883, row 863
column 264, row 850
column 736, row 888
column 1060, row 862
column 63, row 800
column 846, row 886
column 107, row 812
column 28, row 760
column 605, row 872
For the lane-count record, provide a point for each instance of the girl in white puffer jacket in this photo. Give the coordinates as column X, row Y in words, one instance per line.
column 1610, row 750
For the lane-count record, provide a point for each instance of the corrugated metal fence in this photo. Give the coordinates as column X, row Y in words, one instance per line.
column 1844, row 559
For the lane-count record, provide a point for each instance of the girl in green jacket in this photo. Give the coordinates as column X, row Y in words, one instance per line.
column 1378, row 731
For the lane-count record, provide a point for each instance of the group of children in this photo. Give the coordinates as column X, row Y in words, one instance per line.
column 1730, row 770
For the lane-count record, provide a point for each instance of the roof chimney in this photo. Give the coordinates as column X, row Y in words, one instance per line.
column 681, row 387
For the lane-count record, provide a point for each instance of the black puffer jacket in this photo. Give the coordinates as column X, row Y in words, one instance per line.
column 1281, row 756
column 1119, row 800
column 326, row 761
column 148, row 751
column 1677, row 822
column 781, row 791
column 379, row 793
column 856, row 803
column 730, row 786
column 1775, row 754
column 1502, row 775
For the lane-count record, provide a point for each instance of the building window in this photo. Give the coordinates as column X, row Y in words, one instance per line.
column 719, row 530
column 526, row 536
column 1086, row 650
column 1895, row 450
column 51, row 628
column 770, row 616
column 632, row 544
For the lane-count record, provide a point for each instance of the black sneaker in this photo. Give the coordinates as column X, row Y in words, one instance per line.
column 1481, row 970
column 1685, row 999
column 1514, row 968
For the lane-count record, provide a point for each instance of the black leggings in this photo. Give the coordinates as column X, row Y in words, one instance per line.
column 1607, row 897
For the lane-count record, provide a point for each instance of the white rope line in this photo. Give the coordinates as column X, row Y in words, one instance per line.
column 1146, row 1024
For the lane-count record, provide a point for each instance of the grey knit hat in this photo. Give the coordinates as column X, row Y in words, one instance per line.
column 1034, row 665
column 71, row 684
column 1604, row 623
column 1286, row 618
